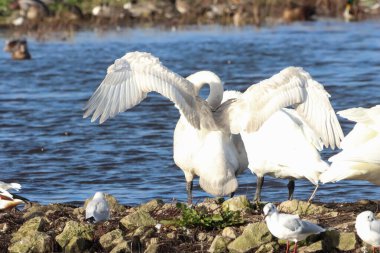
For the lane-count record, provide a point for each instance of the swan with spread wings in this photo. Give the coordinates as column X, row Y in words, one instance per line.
column 204, row 138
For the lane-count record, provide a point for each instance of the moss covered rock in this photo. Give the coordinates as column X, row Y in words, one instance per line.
column 32, row 242
column 29, row 227
column 219, row 244
column 302, row 208
column 254, row 235
column 75, row 237
column 238, row 203
column 111, row 239
column 138, row 219
column 152, row 205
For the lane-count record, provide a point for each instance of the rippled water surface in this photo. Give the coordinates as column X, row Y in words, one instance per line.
column 58, row 156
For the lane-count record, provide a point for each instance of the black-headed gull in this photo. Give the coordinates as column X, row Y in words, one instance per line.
column 288, row 227
column 98, row 208
column 368, row 229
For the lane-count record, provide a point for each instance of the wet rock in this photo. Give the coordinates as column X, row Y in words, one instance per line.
column 238, row 203
column 219, row 244
column 75, row 237
column 229, row 233
column 113, row 204
column 152, row 205
column 34, row 241
column 268, row 248
column 29, row 227
column 137, row 219
column 171, row 235
column 339, row 240
column 122, row 247
column 301, row 208
column 111, row 239
column 254, row 235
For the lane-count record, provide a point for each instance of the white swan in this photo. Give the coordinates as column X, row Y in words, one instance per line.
column 360, row 155
column 285, row 147
column 202, row 138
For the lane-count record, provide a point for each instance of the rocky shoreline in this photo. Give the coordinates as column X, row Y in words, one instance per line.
column 214, row 225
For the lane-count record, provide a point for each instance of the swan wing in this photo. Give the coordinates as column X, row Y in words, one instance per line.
column 366, row 116
column 291, row 87
column 130, row 79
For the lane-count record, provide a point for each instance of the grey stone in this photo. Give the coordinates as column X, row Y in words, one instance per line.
column 32, row 242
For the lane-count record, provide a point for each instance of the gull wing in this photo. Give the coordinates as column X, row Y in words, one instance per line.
column 291, row 87
column 131, row 78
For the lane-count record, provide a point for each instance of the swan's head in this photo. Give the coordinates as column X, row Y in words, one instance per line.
column 269, row 209
column 99, row 195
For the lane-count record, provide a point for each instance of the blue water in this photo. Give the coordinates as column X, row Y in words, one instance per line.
column 58, row 156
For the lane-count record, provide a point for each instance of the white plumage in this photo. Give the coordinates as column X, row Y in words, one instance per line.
column 368, row 228
column 288, row 227
column 6, row 199
column 4, row 187
column 284, row 147
column 360, row 155
column 203, row 144
column 98, row 208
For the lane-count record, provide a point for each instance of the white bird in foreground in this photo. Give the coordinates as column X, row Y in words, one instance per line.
column 360, row 155
column 4, row 187
column 286, row 147
column 288, row 227
column 98, row 208
column 202, row 138
column 368, row 229
column 6, row 199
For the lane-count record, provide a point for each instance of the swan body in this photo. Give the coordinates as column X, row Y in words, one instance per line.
column 205, row 136
column 360, row 155
column 368, row 228
column 98, row 208
column 284, row 147
column 288, row 227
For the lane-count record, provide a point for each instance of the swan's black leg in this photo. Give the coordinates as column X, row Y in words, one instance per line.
column 189, row 189
column 232, row 194
column 259, row 185
column 291, row 186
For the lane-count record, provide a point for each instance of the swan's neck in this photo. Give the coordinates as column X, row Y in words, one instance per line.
column 199, row 79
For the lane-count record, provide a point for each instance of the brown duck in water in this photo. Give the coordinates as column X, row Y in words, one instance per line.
column 18, row 48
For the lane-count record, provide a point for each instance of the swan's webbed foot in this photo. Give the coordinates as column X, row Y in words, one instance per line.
column 189, row 189
column 291, row 186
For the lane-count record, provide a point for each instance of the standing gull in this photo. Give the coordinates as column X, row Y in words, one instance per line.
column 98, row 209
column 288, row 227
column 202, row 138
column 360, row 155
column 368, row 229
